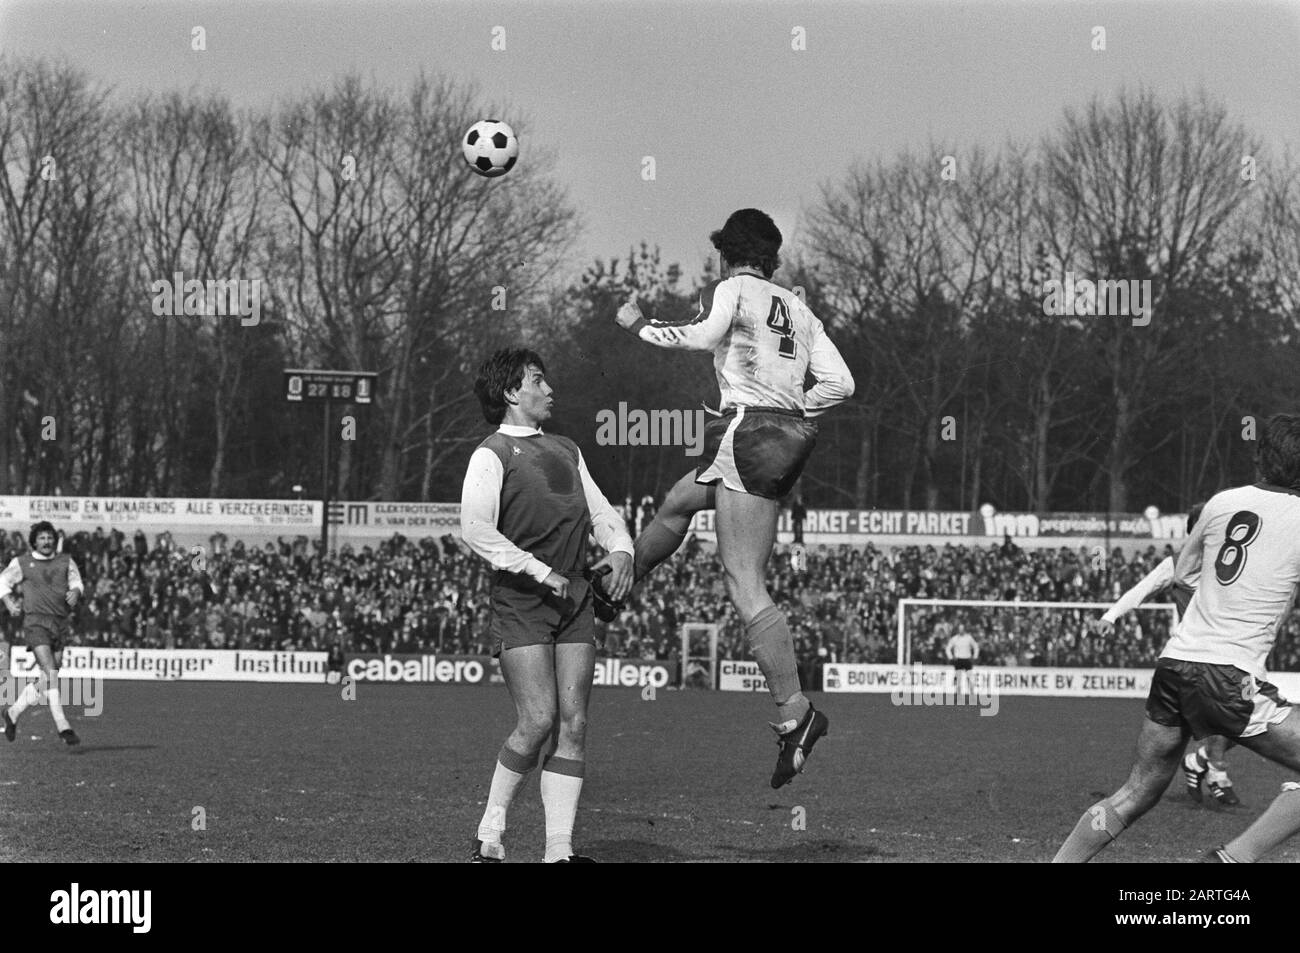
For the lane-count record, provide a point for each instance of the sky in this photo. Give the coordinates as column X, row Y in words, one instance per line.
column 733, row 115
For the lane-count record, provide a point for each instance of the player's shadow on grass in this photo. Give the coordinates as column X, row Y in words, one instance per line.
column 642, row 852
column 637, row 852
column 816, row 851
column 94, row 749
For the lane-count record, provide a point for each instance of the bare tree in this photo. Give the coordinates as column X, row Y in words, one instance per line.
column 1139, row 191
column 398, row 255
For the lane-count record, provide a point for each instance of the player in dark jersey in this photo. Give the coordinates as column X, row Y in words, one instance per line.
column 765, row 343
column 527, row 507
column 50, row 584
column 1206, row 760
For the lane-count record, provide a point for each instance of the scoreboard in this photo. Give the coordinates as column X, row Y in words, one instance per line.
column 357, row 387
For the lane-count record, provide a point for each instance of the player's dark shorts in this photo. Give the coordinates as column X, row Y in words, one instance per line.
column 963, row 664
column 756, row 450
column 48, row 630
column 1213, row 699
column 525, row 612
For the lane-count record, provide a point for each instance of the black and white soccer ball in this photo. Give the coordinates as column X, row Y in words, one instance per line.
column 490, row 148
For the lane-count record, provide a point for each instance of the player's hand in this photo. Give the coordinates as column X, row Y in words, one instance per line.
column 12, row 605
column 557, row 584
column 72, row 597
column 629, row 314
column 619, row 583
column 1104, row 628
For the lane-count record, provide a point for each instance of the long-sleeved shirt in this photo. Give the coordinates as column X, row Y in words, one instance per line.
column 481, row 509
column 40, row 595
column 1245, row 552
column 1157, row 580
column 764, row 341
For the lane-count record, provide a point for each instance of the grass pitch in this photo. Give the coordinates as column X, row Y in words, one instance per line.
column 174, row 771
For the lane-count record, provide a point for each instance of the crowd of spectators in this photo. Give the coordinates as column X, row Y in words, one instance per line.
column 431, row 595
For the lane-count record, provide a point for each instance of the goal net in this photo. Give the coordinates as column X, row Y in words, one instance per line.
column 1057, row 634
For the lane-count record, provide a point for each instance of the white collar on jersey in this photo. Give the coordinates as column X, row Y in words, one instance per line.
column 516, row 430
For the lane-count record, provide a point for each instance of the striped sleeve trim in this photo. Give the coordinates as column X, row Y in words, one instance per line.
column 706, row 306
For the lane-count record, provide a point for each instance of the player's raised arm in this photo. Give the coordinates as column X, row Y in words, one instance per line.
column 1162, row 577
column 480, row 498
column 9, row 581
column 718, row 303
column 75, row 586
column 834, row 379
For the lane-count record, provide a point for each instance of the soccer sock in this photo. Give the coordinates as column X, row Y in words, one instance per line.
column 561, row 785
column 770, row 640
column 655, row 544
column 29, row 696
column 1280, row 821
column 56, row 706
column 512, row 767
column 1099, row 826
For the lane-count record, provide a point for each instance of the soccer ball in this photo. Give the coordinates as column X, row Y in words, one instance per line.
column 490, row 148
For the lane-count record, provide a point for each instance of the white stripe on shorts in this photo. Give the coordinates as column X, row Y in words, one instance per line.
column 1266, row 712
column 723, row 466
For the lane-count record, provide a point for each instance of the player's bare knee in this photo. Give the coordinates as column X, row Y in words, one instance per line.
column 748, row 592
column 534, row 728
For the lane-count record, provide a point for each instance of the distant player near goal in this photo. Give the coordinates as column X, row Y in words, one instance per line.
column 1245, row 554
column 1204, row 762
column 963, row 651
column 50, row 585
column 527, row 507
column 765, row 343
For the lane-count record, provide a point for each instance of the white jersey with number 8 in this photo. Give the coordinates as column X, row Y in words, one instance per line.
column 1245, row 552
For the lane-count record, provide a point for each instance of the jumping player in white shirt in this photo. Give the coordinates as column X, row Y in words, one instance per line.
column 1210, row 679
column 1205, row 762
column 765, row 342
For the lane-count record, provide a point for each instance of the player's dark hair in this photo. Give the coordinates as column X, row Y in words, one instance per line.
column 1277, row 459
column 501, row 372
column 751, row 238
column 1193, row 515
column 44, row 526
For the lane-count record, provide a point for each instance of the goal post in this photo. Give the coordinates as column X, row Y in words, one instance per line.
column 933, row 620
column 699, row 668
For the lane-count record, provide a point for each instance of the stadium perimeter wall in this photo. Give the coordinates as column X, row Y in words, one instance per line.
column 906, row 684
column 193, row 522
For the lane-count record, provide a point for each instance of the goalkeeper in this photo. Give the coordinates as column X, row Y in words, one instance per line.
column 1205, row 762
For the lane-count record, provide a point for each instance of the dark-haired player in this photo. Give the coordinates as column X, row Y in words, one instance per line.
column 527, row 507
column 765, row 343
column 1205, row 762
column 1245, row 555
column 50, row 584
